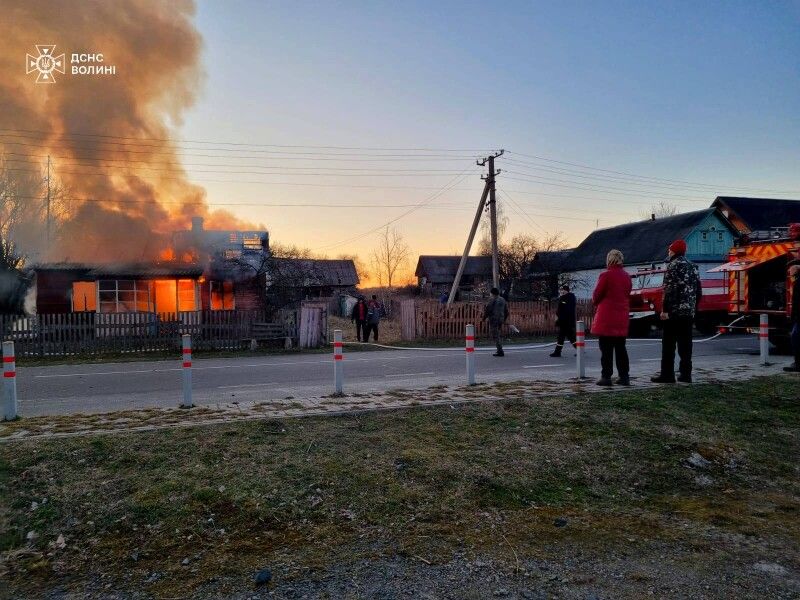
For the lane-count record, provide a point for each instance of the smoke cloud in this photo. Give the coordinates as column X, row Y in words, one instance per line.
column 126, row 196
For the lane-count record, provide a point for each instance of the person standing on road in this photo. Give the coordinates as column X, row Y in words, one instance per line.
column 682, row 292
column 374, row 309
column 794, row 273
column 566, row 319
column 611, row 297
column 496, row 312
column 359, row 317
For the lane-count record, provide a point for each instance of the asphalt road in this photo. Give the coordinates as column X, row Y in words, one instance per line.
column 95, row 388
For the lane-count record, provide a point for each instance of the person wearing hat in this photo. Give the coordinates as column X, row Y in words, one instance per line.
column 682, row 292
column 794, row 274
column 565, row 319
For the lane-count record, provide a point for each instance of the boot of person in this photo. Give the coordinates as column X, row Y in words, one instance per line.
column 660, row 378
column 556, row 353
column 623, row 381
column 605, row 382
column 793, row 368
column 685, row 378
column 499, row 351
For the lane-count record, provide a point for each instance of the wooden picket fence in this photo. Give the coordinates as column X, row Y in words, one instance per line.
column 432, row 320
column 87, row 333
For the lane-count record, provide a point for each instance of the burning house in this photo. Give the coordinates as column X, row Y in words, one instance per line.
column 202, row 270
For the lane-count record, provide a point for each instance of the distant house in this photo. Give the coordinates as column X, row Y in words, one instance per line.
column 758, row 214
column 708, row 234
column 313, row 276
column 545, row 273
column 435, row 274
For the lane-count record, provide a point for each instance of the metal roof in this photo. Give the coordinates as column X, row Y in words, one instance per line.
column 640, row 242
column 761, row 213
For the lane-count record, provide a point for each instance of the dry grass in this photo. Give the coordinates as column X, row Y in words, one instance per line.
column 487, row 478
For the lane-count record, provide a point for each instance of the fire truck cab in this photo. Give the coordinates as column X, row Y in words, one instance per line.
column 758, row 279
column 647, row 301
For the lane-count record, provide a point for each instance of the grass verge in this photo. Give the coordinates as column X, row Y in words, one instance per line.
column 172, row 512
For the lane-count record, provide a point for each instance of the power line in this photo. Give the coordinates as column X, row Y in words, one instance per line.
column 27, row 133
column 583, row 166
column 453, row 182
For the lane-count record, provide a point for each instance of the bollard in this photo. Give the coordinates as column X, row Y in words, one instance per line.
column 338, row 357
column 580, row 344
column 9, row 382
column 470, row 351
column 186, row 343
column 763, row 339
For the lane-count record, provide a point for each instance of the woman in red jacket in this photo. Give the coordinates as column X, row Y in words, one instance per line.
column 611, row 297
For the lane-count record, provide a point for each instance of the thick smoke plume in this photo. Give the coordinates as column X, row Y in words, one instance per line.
column 125, row 197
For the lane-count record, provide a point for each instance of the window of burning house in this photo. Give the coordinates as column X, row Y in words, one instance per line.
column 252, row 242
column 187, row 297
column 124, row 295
column 221, row 294
column 84, row 296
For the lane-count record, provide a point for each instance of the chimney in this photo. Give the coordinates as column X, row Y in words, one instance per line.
column 652, row 217
column 197, row 224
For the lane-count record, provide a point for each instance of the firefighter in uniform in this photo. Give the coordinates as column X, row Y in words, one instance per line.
column 565, row 319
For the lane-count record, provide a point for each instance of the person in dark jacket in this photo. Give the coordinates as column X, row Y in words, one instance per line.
column 374, row 313
column 794, row 274
column 359, row 317
column 496, row 312
column 611, row 298
column 565, row 319
column 682, row 292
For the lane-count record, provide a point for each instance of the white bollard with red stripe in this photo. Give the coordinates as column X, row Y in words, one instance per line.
column 9, row 382
column 470, row 352
column 763, row 338
column 186, row 350
column 580, row 344
column 338, row 357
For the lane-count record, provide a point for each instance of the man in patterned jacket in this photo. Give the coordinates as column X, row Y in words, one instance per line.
column 682, row 292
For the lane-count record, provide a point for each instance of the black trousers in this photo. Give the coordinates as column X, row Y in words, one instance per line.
column 566, row 332
column 361, row 330
column 611, row 347
column 368, row 328
column 677, row 332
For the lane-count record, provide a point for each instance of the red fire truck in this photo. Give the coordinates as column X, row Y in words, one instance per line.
column 647, row 301
column 758, row 279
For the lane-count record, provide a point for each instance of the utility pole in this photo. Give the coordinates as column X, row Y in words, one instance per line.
column 488, row 192
column 47, row 221
column 493, row 218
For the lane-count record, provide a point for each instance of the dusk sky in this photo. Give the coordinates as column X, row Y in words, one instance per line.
column 703, row 92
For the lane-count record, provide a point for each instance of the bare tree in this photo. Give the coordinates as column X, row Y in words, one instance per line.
column 517, row 255
column 24, row 228
column 361, row 268
column 660, row 210
column 485, row 242
column 390, row 258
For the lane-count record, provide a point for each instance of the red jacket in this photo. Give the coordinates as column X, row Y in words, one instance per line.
column 611, row 297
